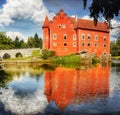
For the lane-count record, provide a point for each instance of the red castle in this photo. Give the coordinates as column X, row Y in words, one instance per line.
column 66, row 35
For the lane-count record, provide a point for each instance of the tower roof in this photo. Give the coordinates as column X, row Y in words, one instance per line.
column 46, row 22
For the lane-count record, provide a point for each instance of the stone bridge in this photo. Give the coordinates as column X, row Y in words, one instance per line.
column 13, row 53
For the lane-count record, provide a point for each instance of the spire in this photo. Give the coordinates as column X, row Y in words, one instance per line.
column 46, row 22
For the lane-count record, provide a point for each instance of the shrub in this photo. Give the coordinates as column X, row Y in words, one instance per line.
column 47, row 54
column 95, row 60
column 36, row 53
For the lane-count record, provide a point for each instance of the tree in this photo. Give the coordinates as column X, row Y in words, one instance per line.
column 37, row 40
column 31, row 42
column 108, row 8
column 5, row 42
column 23, row 44
column 115, row 47
column 17, row 43
column 41, row 43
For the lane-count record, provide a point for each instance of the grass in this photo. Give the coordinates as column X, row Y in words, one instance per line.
column 116, row 57
column 66, row 59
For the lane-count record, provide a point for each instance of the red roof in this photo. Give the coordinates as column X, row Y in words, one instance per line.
column 81, row 23
column 89, row 24
column 46, row 22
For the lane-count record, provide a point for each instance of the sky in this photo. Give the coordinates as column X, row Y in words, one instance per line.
column 24, row 18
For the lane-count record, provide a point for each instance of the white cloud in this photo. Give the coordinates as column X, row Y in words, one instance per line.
column 26, row 9
column 116, row 28
column 13, row 35
column 87, row 17
column 23, row 106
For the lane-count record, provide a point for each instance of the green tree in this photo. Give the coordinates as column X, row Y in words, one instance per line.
column 41, row 43
column 23, row 44
column 37, row 40
column 31, row 42
column 115, row 47
column 17, row 43
column 5, row 42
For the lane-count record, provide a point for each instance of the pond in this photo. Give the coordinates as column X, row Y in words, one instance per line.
column 35, row 89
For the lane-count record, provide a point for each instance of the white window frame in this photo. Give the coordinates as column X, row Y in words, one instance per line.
column 74, row 44
column 54, row 38
column 96, row 38
column 74, row 36
column 89, row 37
column 83, row 35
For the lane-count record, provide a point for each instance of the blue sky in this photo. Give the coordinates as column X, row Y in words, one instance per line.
column 25, row 17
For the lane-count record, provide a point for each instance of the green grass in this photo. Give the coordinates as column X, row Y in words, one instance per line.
column 66, row 59
column 116, row 57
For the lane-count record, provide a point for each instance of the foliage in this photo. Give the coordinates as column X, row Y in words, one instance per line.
column 108, row 8
column 95, row 60
column 5, row 78
column 36, row 53
column 47, row 54
column 5, row 42
column 115, row 47
column 9, row 43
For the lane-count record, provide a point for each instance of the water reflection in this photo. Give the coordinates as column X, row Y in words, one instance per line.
column 70, row 86
column 50, row 90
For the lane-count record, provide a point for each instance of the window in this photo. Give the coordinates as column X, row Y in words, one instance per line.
column 88, row 44
column 65, row 36
column 64, row 26
column 59, row 25
column 104, row 38
column 54, row 36
column 74, row 36
column 96, row 45
column 88, row 37
column 83, row 44
column 65, row 44
column 105, row 45
column 83, row 36
column 74, row 44
column 54, row 44
column 96, row 38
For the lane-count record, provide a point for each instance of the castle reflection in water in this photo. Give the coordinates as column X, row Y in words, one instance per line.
column 71, row 86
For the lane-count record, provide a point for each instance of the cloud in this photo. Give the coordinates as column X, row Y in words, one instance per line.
column 27, row 105
column 87, row 17
column 13, row 35
column 23, row 9
column 115, row 32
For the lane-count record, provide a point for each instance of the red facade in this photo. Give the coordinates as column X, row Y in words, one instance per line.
column 66, row 35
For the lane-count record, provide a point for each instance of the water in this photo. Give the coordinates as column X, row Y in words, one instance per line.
column 47, row 90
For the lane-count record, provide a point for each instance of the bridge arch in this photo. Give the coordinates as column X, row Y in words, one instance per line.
column 6, row 55
column 19, row 54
